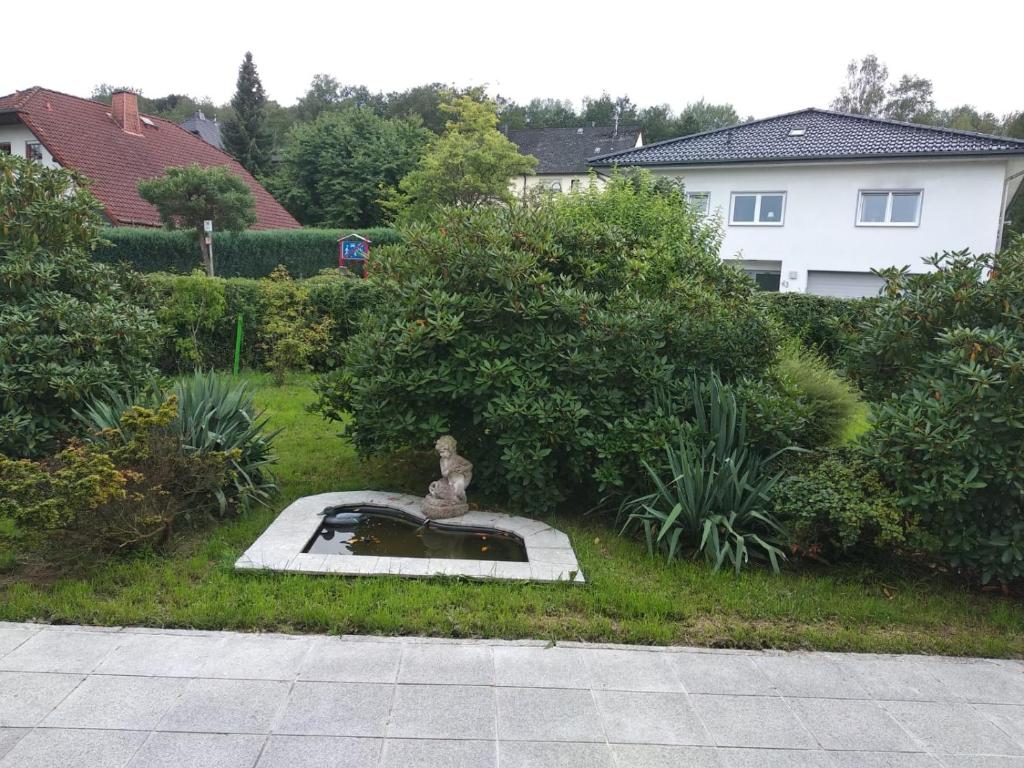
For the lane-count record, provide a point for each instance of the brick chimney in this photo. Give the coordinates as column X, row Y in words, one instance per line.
column 124, row 108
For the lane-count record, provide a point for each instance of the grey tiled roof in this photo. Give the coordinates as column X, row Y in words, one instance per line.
column 206, row 129
column 827, row 135
column 565, row 150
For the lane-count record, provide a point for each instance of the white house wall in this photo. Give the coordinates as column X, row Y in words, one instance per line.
column 523, row 184
column 960, row 208
column 17, row 135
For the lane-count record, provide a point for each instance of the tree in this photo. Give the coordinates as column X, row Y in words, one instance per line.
column 865, row 89
column 604, row 109
column 427, row 102
column 246, row 135
column 68, row 331
column 910, row 100
column 187, row 196
column 700, row 116
column 470, row 165
column 327, row 94
column 336, row 169
column 967, row 118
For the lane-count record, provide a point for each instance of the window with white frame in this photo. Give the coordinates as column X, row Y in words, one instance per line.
column 889, row 208
column 757, row 208
column 699, row 202
column 33, row 150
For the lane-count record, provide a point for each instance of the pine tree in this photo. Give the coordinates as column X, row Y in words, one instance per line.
column 246, row 135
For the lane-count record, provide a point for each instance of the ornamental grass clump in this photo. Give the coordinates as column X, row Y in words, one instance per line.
column 711, row 497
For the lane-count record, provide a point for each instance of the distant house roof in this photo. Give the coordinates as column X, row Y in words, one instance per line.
column 812, row 134
column 565, row 150
column 206, row 129
column 81, row 134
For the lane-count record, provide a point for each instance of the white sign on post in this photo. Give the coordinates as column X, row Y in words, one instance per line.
column 208, row 225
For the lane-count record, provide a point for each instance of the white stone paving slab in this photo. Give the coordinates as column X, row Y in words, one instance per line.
column 550, row 557
column 367, row 702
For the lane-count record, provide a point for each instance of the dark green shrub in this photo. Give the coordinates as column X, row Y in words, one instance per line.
column 713, row 500
column 800, row 401
column 213, row 415
column 538, row 335
column 835, row 503
column 945, row 352
column 254, row 254
column 289, row 335
column 67, row 330
column 342, row 300
column 823, row 323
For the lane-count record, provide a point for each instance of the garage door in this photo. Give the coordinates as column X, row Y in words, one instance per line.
column 849, row 285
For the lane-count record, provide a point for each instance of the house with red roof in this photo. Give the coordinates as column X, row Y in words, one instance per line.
column 116, row 147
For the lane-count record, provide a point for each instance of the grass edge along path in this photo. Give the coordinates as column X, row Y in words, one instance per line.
column 628, row 598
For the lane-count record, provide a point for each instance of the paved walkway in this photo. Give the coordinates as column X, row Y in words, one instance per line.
column 84, row 697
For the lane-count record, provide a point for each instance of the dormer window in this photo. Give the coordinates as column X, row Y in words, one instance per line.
column 797, row 131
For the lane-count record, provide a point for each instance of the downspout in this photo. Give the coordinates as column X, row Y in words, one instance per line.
column 1002, row 209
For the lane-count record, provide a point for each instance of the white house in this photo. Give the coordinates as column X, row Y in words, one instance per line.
column 562, row 153
column 811, row 201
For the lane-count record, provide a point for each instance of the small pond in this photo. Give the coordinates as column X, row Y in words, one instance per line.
column 386, row 532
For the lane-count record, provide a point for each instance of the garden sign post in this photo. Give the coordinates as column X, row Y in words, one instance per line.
column 353, row 250
column 208, row 230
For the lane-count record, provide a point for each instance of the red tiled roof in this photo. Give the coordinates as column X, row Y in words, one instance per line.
column 81, row 134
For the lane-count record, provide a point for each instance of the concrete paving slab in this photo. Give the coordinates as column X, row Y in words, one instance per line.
column 60, row 651
column 548, row 714
column 27, row 697
column 12, row 638
column 631, row 671
column 160, row 655
column 198, row 750
column 884, row 760
column 853, row 725
column 721, row 673
column 71, row 748
column 952, row 728
column 431, row 753
column 226, row 706
column 541, row 754
column 752, row 721
column 259, row 657
column 447, row 665
column 662, row 756
column 334, row 659
column 631, row 717
column 775, row 758
column 9, row 737
column 527, row 667
column 442, row 712
column 319, row 752
column 114, row 702
column 812, row 675
column 336, row 709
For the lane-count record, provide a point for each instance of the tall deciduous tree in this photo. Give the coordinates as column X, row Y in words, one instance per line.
column 336, row 169
column 910, row 100
column 700, row 116
column 471, row 164
column 865, row 89
column 604, row 109
column 246, row 135
column 187, row 196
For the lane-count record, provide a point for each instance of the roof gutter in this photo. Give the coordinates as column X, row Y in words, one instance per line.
column 606, row 163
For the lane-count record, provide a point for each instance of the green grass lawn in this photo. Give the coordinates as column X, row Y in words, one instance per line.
column 629, row 598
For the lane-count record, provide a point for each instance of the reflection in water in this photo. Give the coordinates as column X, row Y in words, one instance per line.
column 382, row 531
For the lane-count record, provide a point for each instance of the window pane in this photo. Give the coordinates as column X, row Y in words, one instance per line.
column 771, row 208
column 872, row 207
column 699, row 201
column 743, row 207
column 904, row 207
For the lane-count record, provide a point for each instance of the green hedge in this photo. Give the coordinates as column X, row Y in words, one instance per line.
column 247, row 254
column 823, row 323
column 330, row 295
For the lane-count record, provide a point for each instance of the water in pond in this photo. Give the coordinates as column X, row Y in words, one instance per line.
column 385, row 532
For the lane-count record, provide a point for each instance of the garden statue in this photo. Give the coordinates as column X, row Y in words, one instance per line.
column 447, row 496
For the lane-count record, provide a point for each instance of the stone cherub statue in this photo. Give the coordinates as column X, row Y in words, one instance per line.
column 447, row 496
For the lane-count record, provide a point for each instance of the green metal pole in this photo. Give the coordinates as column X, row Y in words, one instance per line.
column 238, row 343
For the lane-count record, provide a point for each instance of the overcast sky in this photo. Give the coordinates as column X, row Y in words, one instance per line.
column 763, row 57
